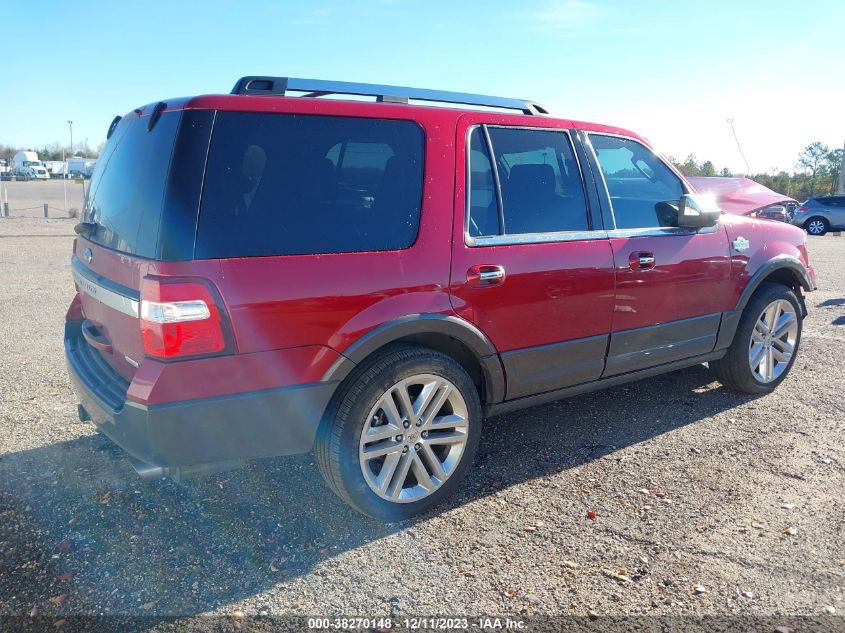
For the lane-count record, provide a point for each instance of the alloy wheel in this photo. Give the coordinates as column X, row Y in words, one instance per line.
column 414, row 438
column 773, row 341
column 815, row 227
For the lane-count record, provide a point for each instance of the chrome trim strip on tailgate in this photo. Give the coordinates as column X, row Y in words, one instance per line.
column 87, row 283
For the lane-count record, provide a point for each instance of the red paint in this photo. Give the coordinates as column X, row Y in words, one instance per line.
column 291, row 317
column 690, row 277
column 158, row 382
column 553, row 292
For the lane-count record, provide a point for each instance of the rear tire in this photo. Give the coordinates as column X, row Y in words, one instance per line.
column 817, row 226
column 765, row 344
column 420, row 456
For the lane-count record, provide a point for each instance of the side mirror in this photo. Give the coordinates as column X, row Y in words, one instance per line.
column 697, row 210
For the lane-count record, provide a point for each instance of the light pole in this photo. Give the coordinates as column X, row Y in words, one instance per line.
column 842, row 174
column 70, row 123
column 64, row 181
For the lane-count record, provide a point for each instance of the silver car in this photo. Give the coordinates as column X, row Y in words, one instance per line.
column 821, row 214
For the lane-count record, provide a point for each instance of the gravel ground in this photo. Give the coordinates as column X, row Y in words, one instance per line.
column 707, row 503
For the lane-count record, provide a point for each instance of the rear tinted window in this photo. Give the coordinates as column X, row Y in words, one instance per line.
column 541, row 188
column 281, row 184
column 832, row 201
column 127, row 187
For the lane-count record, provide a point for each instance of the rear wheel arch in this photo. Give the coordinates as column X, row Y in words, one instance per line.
column 449, row 335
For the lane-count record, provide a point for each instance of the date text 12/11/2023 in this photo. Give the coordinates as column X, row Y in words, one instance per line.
column 417, row 623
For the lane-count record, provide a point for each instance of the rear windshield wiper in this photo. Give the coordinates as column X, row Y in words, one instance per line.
column 85, row 229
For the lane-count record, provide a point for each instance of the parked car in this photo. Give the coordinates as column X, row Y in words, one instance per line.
column 777, row 212
column 370, row 280
column 820, row 214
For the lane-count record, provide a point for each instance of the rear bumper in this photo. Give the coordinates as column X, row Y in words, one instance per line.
column 228, row 428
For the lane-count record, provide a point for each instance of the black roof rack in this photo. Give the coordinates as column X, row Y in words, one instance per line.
column 258, row 85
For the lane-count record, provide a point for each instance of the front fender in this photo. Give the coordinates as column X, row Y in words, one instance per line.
column 798, row 271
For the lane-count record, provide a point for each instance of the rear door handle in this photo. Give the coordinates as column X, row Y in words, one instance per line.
column 641, row 261
column 484, row 275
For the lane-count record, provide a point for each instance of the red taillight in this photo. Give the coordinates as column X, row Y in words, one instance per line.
column 181, row 318
column 803, row 209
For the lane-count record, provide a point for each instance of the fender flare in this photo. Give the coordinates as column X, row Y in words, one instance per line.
column 730, row 320
column 454, row 327
column 787, row 262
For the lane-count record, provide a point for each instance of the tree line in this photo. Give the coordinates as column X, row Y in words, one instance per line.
column 816, row 172
column 53, row 151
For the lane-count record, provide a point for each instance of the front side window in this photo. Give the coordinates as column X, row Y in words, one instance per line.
column 283, row 184
column 643, row 191
column 540, row 184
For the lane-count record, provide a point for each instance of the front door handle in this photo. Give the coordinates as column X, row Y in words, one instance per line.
column 484, row 275
column 641, row 260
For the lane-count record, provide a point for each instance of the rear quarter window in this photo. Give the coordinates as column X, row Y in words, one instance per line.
column 286, row 184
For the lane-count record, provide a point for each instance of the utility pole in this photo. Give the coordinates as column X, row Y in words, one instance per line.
column 842, row 174
column 70, row 123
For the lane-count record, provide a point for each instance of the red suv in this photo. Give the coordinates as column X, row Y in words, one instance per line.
column 279, row 270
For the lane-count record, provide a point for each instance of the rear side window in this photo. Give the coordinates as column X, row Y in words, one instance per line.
column 643, row 191
column 127, row 187
column 541, row 187
column 282, row 184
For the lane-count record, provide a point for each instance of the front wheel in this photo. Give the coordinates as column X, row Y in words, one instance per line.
column 765, row 344
column 402, row 434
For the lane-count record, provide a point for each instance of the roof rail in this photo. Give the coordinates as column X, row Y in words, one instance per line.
column 258, row 85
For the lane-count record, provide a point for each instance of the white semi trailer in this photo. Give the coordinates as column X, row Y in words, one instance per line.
column 27, row 165
column 78, row 166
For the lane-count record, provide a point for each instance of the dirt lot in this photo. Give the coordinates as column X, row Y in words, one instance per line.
column 706, row 502
column 27, row 198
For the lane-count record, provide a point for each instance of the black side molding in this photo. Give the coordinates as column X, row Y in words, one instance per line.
column 453, row 327
column 551, row 396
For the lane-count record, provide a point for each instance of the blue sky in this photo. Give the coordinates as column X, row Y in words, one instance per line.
column 673, row 72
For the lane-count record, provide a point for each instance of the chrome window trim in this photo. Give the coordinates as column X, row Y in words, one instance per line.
column 521, row 238
column 106, row 296
column 640, row 231
column 536, row 238
column 660, row 231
